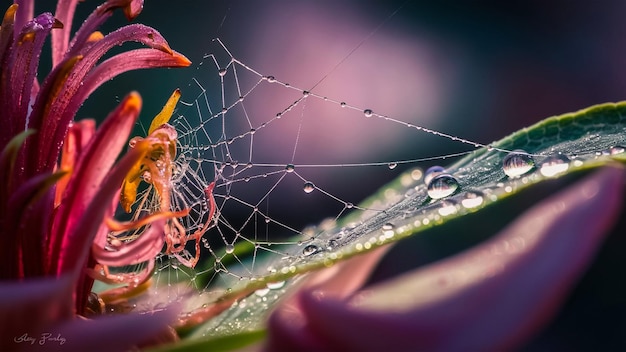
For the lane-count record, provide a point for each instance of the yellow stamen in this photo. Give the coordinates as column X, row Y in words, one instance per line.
column 166, row 113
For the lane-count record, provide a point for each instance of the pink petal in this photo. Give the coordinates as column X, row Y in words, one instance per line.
column 87, row 181
column 97, row 18
column 491, row 297
column 25, row 221
column 78, row 135
column 144, row 248
column 128, row 61
column 22, row 65
column 61, row 38
column 29, row 306
column 24, row 14
column 51, row 117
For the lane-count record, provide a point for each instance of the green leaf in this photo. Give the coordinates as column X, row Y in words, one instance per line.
column 588, row 139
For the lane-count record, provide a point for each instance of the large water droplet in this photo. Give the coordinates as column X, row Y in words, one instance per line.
column 222, row 72
column 517, row 163
column 308, row 187
column 290, row 167
column 442, row 186
column 368, row 112
column 392, row 166
column 432, row 172
column 554, row 165
column 310, row 250
column 229, row 248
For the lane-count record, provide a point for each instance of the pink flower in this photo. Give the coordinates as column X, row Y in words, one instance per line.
column 52, row 216
column 494, row 296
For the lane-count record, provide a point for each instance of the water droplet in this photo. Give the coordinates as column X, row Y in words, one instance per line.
column 349, row 205
column 262, row 292
column 267, row 220
column 392, row 166
column 279, row 115
column 290, row 167
column 517, row 163
column 343, row 104
column 388, row 229
column 306, row 93
column 368, row 112
column 614, row 150
column 432, row 172
column 310, row 250
column 275, row 285
column 229, row 248
column 308, row 187
column 442, row 186
column 472, row 199
column 554, row 165
column 447, row 207
column 270, row 79
column 222, row 72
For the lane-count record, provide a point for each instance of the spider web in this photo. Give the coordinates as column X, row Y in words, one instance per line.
column 249, row 133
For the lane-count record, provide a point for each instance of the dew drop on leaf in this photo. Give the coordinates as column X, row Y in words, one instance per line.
column 614, row 150
column 308, row 187
column 517, row 163
column 275, row 285
column 310, row 250
column 554, row 165
column 432, row 172
column 472, row 199
column 447, row 207
column 262, row 292
column 388, row 229
column 442, row 186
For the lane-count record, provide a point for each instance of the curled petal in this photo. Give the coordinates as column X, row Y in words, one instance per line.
column 53, row 117
column 6, row 34
column 489, row 298
column 97, row 18
column 141, row 249
column 128, row 61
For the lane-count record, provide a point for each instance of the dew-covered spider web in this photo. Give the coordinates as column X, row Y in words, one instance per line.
column 264, row 145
